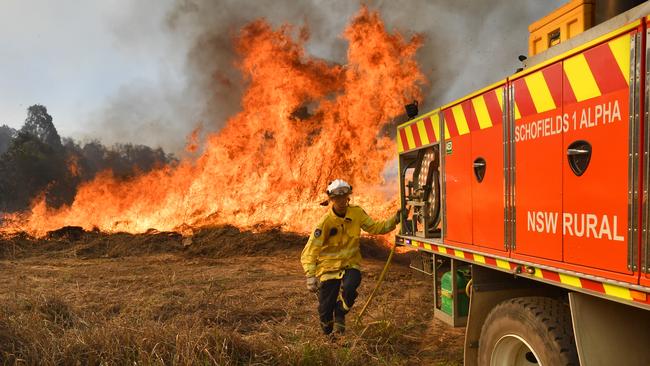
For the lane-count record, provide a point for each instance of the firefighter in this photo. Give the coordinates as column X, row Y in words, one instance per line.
column 331, row 258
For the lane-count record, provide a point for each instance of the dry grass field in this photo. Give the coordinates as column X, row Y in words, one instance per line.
column 222, row 297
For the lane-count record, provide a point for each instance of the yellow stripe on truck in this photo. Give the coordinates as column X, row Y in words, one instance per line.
column 447, row 135
column 617, row 291
column 461, row 121
column 409, row 136
column 580, row 78
column 539, row 92
column 499, row 98
column 517, row 114
column 482, row 112
column 621, row 49
column 435, row 120
column 570, row 280
column 423, row 132
column 503, row 264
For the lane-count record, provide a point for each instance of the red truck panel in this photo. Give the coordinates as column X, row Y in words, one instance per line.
column 458, row 172
column 488, row 195
column 595, row 218
column 571, row 213
column 538, row 163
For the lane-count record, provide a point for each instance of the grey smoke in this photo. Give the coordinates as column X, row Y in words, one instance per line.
column 468, row 44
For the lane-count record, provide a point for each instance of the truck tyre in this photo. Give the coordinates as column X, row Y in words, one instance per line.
column 528, row 331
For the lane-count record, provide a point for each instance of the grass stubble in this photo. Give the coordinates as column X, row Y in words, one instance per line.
column 222, row 296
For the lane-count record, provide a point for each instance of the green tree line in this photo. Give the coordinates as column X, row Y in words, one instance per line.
column 35, row 160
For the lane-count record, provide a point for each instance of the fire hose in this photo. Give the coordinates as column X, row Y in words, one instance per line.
column 403, row 216
column 379, row 281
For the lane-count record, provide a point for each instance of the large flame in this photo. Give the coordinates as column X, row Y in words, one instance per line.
column 303, row 123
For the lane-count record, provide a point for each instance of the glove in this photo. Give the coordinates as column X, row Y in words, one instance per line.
column 398, row 215
column 312, row 284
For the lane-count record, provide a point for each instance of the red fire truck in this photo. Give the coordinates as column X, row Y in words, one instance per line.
column 528, row 199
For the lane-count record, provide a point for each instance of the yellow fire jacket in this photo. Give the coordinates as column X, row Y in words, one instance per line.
column 334, row 245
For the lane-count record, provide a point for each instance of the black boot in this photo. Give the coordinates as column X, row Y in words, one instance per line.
column 327, row 327
column 339, row 323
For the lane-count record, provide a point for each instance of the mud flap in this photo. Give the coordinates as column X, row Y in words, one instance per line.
column 609, row 333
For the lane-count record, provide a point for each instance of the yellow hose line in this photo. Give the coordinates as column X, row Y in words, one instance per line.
column 468, row 288
column 381, row 279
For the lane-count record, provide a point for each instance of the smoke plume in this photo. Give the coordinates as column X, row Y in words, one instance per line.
column 467, row 44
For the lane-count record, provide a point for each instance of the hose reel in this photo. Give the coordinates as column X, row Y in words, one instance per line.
column 423, row 192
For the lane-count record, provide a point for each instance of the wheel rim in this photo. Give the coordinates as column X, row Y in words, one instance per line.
column 512, row 350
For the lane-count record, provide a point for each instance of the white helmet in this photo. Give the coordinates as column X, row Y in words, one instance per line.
column 339, row 187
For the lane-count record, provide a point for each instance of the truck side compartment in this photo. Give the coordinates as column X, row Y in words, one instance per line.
column 542, row 210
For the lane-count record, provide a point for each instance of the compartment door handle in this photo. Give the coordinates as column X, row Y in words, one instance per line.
column 579, row 156
column 578, row 151
column 479, row 169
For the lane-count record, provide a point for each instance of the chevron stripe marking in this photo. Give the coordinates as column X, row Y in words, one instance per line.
column 550, row 275
column 617, row 291
column 581, row 80
column 482, row 113
column 470, row 115
column 428, row 126
column 499, row 93
column 416, row 135
column 570, row 280
column 539, row 92
column 523, row 99
column 620, row 48
column 517, row 113
column 404, row 140
column 605, row 69
column 592, row 285
column 409, row 137
column 450, row 123
column 567, row 93
column 503, row 264
column 553, row 77
column 459, row 118
column 494, row 103
column 423, row 132
column 435, row 121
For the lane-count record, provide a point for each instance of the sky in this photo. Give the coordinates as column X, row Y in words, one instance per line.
column 126, row 71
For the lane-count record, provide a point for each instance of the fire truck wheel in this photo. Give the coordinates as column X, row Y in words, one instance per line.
column 528, row 331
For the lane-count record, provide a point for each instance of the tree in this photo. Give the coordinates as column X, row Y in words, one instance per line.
column 39, row 124
column 7, row 134
column 36, row 161
column 27, row 167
